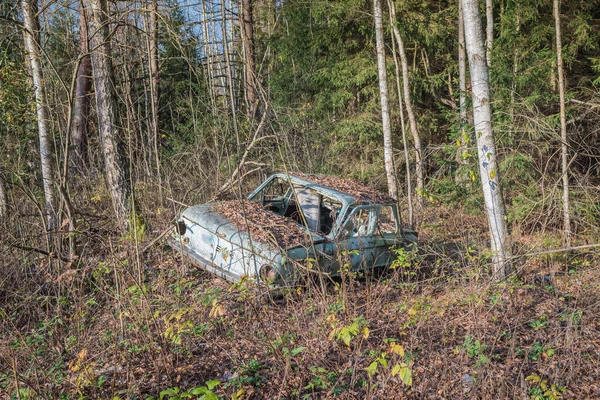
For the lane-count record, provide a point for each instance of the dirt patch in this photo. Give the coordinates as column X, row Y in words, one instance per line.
column 361, row 192
column 263, row 225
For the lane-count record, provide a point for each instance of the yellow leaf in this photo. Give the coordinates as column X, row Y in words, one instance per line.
column 398, row 349
column 395, row 370
column 82, row 353
column 493, row 174
column 458, row 143
column 412, row 312
column 365, row 333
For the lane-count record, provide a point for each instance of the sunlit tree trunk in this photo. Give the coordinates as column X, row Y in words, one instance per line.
column 154, row 86
column 563, row 127
column 462, row 75
column 388, row 153
column 81, row 103
column 117, row 178
column 32, row 48
column 249, row 65
column 482, row 119
column 489, row 29
column 419, row 160
column 402, row 124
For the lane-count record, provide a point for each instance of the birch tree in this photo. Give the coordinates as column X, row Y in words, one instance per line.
column 563, row 127
column 489, row 30
column 32, row 48
column 486, row 149
column 117, row 178
column 385, row 107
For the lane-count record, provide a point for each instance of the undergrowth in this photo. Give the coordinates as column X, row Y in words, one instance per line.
column 118, row 323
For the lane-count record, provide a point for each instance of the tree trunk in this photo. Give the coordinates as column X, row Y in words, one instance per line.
column 31, row 39
column 419, row 159
column 462, row 96
column 81, row 104
column 117, row 178
column 154, row 88
column 402, row 125
column 388, row 153
column 3, row 199
column 563, row 126
column 489, row 30
column 482, row 119
column 249, row 65
column 229, row 72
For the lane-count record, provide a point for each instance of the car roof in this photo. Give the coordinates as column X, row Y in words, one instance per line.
column 346, row 190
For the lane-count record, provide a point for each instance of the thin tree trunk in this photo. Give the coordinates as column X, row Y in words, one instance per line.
column 419, row 159
column 388, row 152
column 489, row 30
column 515, row 65
column 31, row 39
column 462, row 77
column 81, row 104
column 3, row 199
column 563, row 127
column 154, row 87
column 249, row 64
column 229, row 72
column 117, row 178
column 402, row 125
column 482, row 118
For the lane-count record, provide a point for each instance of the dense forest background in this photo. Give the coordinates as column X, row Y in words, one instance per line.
column 148, row 106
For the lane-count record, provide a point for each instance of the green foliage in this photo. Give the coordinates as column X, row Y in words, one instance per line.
column 204, row 392
column 475, row 350
column 346, row 333
column 541, row 389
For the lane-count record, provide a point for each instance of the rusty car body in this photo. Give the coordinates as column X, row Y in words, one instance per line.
column 290, row 224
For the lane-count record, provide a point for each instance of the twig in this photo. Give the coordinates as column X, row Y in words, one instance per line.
column 563, row 250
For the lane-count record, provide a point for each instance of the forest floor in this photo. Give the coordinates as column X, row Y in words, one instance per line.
column 126, row 325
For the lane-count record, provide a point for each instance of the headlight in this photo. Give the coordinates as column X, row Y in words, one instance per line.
column 267, row 273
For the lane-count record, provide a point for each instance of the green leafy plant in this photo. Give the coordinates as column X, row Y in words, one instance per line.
column 347, row 333
column 204, row 392
column 542, row 390
column 475, row 350
column 539, row 350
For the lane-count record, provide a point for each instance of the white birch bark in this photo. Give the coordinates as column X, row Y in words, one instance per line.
column 563, row 127
column 486, row 149
column 388, row 154
column 31, row 40
column 489, row 29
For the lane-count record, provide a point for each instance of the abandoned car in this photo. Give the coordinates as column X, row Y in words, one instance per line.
column 290, row 226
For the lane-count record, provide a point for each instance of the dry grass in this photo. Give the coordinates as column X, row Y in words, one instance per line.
column 119, row 323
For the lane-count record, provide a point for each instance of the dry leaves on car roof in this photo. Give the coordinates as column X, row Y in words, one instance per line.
column 361, row 192
column 263, row 225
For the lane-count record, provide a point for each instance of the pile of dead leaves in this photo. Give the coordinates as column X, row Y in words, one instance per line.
column 263, row 225
column 361, row 192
